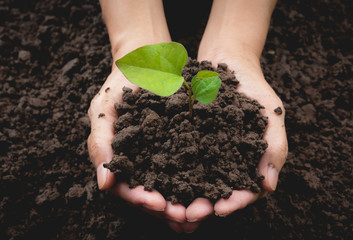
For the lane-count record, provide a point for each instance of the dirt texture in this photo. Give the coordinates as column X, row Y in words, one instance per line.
column 158, row 145
column 55, row 56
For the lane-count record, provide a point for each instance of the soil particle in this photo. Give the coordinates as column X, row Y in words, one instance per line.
column 208, row 156
column 101, row 115
column 48, row 195
column 37, row 102
column 124, row 138
column 76, row 191
column 309, row 112
column 24, row 55
column 70, row 67
column 278, row 110
column 121, row 165
column 177, row 103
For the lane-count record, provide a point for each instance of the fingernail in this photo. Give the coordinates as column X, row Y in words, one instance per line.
column 220, row 215
column 176, row 220
column 153, row 208
column 102, row 173
column 192, row 220
column 272, row 175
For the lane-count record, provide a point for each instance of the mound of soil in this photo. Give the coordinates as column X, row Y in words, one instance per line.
column 55, row 56
column 216, row 151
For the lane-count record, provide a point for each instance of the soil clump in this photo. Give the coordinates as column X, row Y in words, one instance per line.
column 159, row 146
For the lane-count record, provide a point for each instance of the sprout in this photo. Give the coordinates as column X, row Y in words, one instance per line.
column 158, row 67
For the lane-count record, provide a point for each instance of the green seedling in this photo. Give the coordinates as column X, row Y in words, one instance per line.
column 158, row 67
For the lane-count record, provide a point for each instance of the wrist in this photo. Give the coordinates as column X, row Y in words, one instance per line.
column 130, row 41
column 232, row 53
column 132, row 24
column 240, row 58
column 237, row 29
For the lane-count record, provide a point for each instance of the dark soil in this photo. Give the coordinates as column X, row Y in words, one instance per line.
column 55, row 56
column 158, row 145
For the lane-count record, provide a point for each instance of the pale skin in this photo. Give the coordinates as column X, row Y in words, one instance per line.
column 235, row 34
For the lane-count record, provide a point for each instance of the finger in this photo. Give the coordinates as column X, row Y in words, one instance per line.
column 183, row 227
column 198, row 210
column 190, row 227
column 99, row 148
column 158, row 214
column 175, row 226
column 105, row 178
column 138, row 196
column 238, row 200
column 272, row 161
column 175, row 212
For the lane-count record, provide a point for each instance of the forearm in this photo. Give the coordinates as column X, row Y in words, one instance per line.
column 132, row 24
column 237, row 27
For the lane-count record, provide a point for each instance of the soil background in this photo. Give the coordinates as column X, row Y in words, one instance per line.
column 54, row 57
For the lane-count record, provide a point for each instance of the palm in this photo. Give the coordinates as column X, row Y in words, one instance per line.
column 99, row 147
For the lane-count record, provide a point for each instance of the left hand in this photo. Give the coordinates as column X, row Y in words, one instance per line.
column 253, row 84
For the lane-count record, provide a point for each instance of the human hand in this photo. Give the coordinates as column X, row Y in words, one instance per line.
column 235, row 34
column 253, row 84
column 130, row 24
column 100, row 151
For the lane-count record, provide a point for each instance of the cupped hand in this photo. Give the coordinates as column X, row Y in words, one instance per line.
column 253, row 85
column 181, row 219
column 102, row 115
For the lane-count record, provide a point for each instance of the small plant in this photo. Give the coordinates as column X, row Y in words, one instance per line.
column 158, row 67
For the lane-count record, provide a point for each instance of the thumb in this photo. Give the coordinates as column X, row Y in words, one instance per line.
column 102, row 115
column 100, row 152
column 99, row 141
column 272, row 161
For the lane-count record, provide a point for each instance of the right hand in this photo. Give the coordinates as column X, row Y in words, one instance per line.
column 100, row 151
column 102, row 127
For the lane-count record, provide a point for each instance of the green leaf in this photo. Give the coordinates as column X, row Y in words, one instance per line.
column 205, row 86
column 156, row 68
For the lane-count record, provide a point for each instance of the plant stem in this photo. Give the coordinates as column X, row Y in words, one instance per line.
column 190, row 101
column 186, row 84
column 190, row 104
column 193, row 100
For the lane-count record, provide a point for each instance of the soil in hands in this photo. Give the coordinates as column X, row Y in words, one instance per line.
column 159, row 146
